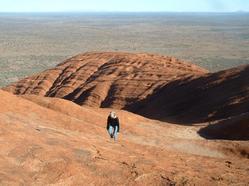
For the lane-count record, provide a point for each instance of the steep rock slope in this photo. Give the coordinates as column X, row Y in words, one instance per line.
column 107, row 79
column 210, row 97
column 50, row 141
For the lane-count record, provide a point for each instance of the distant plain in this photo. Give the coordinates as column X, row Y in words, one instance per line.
column 30, row 43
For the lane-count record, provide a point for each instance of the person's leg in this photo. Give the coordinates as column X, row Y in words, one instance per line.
column 115, row 134
column 110, row 131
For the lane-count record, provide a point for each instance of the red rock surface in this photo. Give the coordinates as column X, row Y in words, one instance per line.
column 207, row 98
column 157, row 87
column 107, row 79
column 53, row 141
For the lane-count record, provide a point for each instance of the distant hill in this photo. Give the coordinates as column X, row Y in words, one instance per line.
column 154, row 86
column 107, row 79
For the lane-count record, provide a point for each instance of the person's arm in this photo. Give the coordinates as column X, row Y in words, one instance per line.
column 108, row 123
column 118, row 124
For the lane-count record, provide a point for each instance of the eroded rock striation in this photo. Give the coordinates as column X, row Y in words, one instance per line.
column 158, row 87
column 107, row 79
column 207, row 98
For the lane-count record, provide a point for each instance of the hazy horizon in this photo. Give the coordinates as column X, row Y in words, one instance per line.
column 124, row 6
column 138, row 12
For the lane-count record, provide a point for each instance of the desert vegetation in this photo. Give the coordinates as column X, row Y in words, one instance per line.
column 30, row 43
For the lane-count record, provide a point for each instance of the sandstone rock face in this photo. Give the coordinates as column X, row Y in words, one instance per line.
column 107, row 79
column 46, row 140
column 154, row 86
column 207, row 98
column 51, row 141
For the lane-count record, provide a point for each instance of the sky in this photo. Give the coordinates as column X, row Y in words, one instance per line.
column 124, row 5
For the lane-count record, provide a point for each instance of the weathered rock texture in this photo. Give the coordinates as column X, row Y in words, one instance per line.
column 208, row 98
column 51, row 141
column 107, row 79
column 154, row 86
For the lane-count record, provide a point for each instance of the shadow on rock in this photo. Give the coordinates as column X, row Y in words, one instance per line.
column 235, row 128
column 192, row 100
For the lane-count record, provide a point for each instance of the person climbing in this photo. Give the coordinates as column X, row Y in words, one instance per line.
column 113, row 125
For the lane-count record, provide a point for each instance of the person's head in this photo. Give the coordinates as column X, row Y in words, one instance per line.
column 113, row 114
